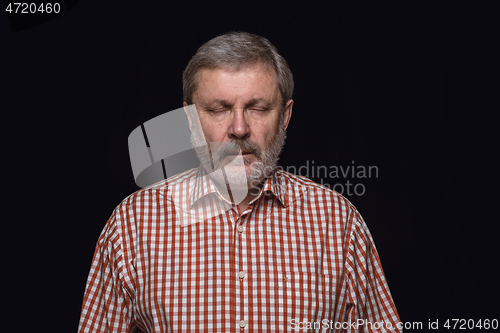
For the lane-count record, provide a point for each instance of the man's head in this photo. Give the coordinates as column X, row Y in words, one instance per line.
column 242, row 90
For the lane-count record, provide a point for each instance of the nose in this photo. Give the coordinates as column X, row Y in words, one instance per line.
column 239, row 128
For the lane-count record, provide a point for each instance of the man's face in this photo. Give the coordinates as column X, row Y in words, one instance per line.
column 242, row 110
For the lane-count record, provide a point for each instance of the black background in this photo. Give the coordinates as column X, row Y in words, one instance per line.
column 372, row 86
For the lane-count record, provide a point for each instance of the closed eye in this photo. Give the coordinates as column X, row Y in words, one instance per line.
column 217, row 110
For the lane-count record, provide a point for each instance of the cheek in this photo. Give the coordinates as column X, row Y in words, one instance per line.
column 214, row 132
column 265, row 137
column 271, row 131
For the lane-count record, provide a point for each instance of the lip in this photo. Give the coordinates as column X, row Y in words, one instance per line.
column 244, row 154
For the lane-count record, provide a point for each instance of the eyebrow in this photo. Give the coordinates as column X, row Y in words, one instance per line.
column 252, row 102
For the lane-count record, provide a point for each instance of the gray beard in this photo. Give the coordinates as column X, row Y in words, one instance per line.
column 239, row 177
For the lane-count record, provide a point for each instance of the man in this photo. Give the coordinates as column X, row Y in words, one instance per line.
column 267, row 251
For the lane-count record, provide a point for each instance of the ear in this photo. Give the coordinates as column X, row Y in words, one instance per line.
column 188, row 114
column 287, row 113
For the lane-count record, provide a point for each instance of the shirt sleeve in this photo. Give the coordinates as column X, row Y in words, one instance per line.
column 108, row 302
column 372, row 309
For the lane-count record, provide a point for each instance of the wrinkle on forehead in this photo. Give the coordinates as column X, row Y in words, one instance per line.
column 248, row 72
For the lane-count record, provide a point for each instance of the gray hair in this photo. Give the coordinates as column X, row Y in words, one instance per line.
column 234, row 51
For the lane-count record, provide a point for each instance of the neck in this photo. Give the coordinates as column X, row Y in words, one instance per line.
column 240, row 196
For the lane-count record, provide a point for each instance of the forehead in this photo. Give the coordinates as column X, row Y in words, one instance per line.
column 255, row 82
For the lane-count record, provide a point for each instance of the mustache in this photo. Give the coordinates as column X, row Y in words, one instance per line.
column 235, row 146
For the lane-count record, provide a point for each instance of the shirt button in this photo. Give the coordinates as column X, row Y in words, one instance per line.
column 240, row 228
column 241, row 275
column 242, row 323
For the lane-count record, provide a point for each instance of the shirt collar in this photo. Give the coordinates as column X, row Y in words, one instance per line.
column 278, row 184
column 203, row 185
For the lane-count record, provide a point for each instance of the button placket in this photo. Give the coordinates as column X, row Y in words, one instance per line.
column 242, row 273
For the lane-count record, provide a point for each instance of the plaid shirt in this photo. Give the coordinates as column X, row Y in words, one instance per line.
column 300, row 257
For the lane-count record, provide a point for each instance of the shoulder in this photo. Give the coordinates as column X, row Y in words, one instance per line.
column 153, row 193
column 300, row 184
column 332, row 206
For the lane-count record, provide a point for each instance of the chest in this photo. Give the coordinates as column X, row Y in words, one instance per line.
column 265, row 268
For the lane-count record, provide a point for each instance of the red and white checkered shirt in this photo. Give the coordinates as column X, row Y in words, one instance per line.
column 300, row 257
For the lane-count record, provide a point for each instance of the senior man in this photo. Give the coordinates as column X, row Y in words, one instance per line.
column 278, row 253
